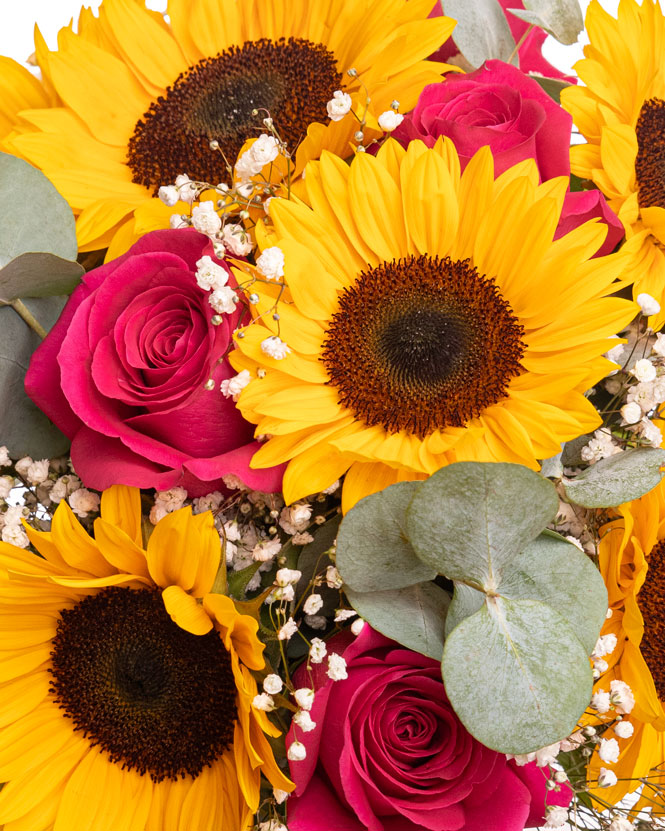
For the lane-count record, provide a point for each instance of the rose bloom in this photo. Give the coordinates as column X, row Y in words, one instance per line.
column 501, row 107
column 122, row 374
column 389, row 754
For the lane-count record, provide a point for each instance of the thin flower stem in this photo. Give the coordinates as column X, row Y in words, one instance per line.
column 526, row 34
column 21, row 309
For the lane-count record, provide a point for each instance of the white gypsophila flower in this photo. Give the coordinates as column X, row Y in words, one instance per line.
column 644, row 370
column 313, row 604
column 232, row 387
column 177, row 221
column 186, row 188
column 210, row 275
column 575, row 541
column 296, row 752
column 302, row 538
column 37, row 472
column 336, row 667
column 556, row 816
column 287, row 576
column 339, row 105
column 157, row 512
column 631, row 413
column 621, row 824
column 600, row 701
column 317, row 651
column 608, row 614
column 234, row 482
column 615, row 354
column 23, row 465
column 6, row 486
column 605, row 645
column 237, row 240
column 613, row 385
column 599, row 447
column 15, row 535
column 273, row 684
column 230, row 551
column 205, row 218
column 5, row 461
column 600, row 665
column 295, row 517
column 266, row 551
column 624, row 729
column 14, row 514
column 304, row 698
column 642, row 394
column 247, row 166
column 232, row 530
column 333, row 578
column 659, row 346
column 522, row 759
column 271, row 263
column 304, row 721
column 389, row 120
column 357, row 626
column 264, row 150
column 263, row 702
column 169, row 195
column 344, row 614
column 316, row 621
column 606, row 778
column 275, row 347
column 648, row 304
column 572, row 742
column 172, row 499
column 608, row 750
column 288, row 630
column 331, row 488
column 273, row 824
column 223, row 300
column 83, row 501
column 279, row 795
column 648, row 430
column 658, row 390
column 621, row 696
column 208, row 502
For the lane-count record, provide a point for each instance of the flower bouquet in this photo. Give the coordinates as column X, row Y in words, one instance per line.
column 332, row 458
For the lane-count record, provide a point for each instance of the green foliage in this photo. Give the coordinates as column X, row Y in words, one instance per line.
column 553, row 87
column 617, row 479
column 482, row 31
column 560, row 18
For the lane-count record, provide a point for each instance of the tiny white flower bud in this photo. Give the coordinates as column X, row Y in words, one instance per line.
column 631, row 413
column 621, row 697
column 288, row 630
column 264, row 150
column 605, row 645
column 621, row 824
column 232, row 387
column 304, row 721
column 344, row 614
column 648, row 304
column 205, row 219
column 560, row 776
column 273, row 684
column 600, row 666
column 336, row 667
column 317, row 651
column 275, row 348
column 624, row 729
column 600, row 701
column 644, row 370
column 263, row 702
column 237, row 240
column 5, row 461
column 606, row 778
column 271, row 263
column 333, row 578
column 169, row 195
column 210, row 275
column 312, row 605
column 609, row 751
column 556, row 816
column 357, row 626
column 287, row 576
column 186, row 188
column 389, row 120
column 339, row 105
column 296, row 752
column 223, row 300
column 304, row 698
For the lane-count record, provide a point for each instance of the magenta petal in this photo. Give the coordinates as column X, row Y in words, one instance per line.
column 535, row 778
column 580, row 207
column 319, row 808
column 507, row 808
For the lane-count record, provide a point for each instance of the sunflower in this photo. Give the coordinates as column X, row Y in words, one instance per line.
column 632, row 562
column 430, row 318
column 127, row 693
column 622, row 116
column 128, row 77
column 19, row 90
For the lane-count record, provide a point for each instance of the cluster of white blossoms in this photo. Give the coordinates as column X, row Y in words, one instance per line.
column 213, row 278
column 166, row 502
column 263, row 152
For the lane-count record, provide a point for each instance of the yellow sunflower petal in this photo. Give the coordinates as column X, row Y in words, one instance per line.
column 186, row 611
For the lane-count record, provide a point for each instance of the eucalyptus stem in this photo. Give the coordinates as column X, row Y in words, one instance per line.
column 21, row 309
column 519, row 43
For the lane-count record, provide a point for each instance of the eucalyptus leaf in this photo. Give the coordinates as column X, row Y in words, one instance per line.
column 517, row 675
column 469, row 519
column 554, row 571
column 552, row 468
column 373, row 551
column 617, row 479
column 482, row 31
column 24, row 190
column 466, row 602
column 38, row 275
column 413, row 616
column 552, row 86
column 24, row 429
column 560, row 18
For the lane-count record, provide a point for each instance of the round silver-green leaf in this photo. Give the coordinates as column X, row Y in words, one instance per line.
column 516, row 675
column 466, row 602
column 373, row 551
column 617, row 479
column 482, row 31
column 38, row 275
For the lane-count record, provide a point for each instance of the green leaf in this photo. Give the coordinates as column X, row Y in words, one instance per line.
column 373, row 551
column 516, row 675
column 482, row 31
column 23, row 427
column 413, row 616
column 552, row 468
column 312, row 559
column 35, row 218
column 617, row 479
column 469, row 519
column 560, row 18
column 237, row 580
column 554, row 571
column 466, row 602
column 38, row 275
column 552, row 86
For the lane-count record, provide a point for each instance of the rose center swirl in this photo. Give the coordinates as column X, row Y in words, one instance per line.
column 216, row 99
column 421, row 344
column 650, row 161
column 650, row 601
column 156, row 698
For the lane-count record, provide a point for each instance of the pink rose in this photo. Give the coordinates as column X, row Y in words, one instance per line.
column 579, row 207
column 388, row 753
column 122, row 374
column 499, row 106
column 530, row 52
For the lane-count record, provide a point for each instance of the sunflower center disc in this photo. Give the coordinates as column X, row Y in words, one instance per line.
column 157, row 699
column 421, row 344
column 650, row 601
column 215, row 99
column 650, row 161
